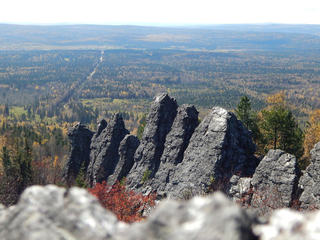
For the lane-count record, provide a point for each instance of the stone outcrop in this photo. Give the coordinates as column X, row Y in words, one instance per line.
column 176, row 143
column 273, row 185
column 104, row 154
column 275, row 180
column 80, row 140
column 127, row 148
column 310, row 181
column 175, row 154
column 220, row 147
column 158, row 124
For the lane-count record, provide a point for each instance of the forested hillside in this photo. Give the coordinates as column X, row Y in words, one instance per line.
column 54, row 76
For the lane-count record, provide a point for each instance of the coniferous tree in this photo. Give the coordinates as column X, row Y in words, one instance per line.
column 6, row 160
column 24, row 161
column 243, row 111
column 9, row 181
column 248, row 117
column 281, row 130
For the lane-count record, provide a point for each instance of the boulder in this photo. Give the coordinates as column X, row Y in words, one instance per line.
column 158, row 124
column 127, row 148
column 80, row 140
column 309, row 183
column 219, row 148
column 275, row 181
column 273, row 185
column 104, row 154
column 241, row 190
column 51, row 213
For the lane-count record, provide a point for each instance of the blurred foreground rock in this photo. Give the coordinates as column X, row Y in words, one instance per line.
column 286, row 224
column 53, row 213
column 212, row 217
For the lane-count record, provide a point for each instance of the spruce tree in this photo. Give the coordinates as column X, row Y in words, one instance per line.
column 248, row 117
column 243, row 111
column 281, row 130
column 6, row 160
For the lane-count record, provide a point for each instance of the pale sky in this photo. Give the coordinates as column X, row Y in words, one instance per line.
column 164, row 11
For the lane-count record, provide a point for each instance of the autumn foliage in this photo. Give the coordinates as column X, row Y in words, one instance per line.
column 126, row 204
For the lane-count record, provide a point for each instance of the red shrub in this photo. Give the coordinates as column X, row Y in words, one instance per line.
column 127, row 205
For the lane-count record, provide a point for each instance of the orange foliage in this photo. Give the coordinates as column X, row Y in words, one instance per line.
column 125, row 204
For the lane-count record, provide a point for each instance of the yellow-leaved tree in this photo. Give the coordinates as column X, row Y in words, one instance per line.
column 277, row 99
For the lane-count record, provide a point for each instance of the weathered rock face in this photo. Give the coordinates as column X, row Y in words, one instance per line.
column 273, row 185
column 80, row 139
column 176, row 143
column 104, row 155
column 220, row 147
column 310, row 181
column 51, row 213
column 102, row 124
column 159, row 121
column 127, row 148
column 175, row 154
column 178, row 138
column 275, row 180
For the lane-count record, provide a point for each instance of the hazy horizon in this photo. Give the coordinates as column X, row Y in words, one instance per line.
column 154, row 24
column 164, row 13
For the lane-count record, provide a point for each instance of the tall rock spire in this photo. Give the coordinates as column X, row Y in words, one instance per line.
column 147, row 157
column 104, row 150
